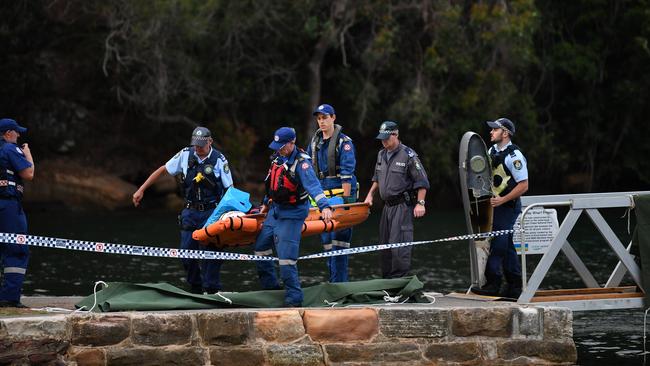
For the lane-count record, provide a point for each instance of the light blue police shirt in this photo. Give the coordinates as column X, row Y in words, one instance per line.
column 178, row 164
column 517, row 164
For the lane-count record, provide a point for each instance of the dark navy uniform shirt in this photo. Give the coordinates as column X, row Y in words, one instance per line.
column 402, row 172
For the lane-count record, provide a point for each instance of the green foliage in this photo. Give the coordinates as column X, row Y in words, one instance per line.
column 572, row 75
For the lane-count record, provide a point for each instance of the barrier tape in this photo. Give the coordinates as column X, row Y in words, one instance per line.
column 372, row 248
column 124, row 249
column 98, row 247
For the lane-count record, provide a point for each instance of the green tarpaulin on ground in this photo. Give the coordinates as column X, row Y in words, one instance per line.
column 641, row 239
column 121, row 296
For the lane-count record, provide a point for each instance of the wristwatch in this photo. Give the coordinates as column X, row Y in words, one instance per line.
column 421, row 202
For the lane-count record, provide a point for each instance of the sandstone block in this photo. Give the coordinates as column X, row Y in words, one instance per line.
column 373, row 353
column 407, row 323
column 34, row 327
column 236, row 356
column 31, row 351
column 548, row 350
column 279, row 326
column 295, row 354
column 529, row 321
column 88, row 356
column 490, row 322
column 342, row 325
column 159, row 330
column 99, row 330
column 227, row 328
column 145, row 356
column 558, row 324
column 453, row 352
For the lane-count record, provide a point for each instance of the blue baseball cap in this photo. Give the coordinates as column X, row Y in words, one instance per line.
column 324, row 109
column 503, row 123
column 8, row 124
column 281, row 136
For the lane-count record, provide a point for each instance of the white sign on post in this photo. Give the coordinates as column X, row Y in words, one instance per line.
column 541, row 228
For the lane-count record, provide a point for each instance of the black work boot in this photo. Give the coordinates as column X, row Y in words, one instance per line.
column 12, row 304
column 513, row 289
column 491, row 288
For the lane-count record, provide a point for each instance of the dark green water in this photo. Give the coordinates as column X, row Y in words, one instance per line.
column 602, row 338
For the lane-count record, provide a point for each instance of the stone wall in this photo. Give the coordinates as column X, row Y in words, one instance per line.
column 358, row 336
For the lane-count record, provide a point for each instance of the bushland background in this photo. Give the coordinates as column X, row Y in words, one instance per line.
column 111, row 89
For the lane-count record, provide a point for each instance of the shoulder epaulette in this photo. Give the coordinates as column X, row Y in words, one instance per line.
column 410, row 152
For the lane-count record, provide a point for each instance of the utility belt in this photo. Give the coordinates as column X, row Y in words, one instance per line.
column 512, row 203
column 408, row 196
column 200, row 206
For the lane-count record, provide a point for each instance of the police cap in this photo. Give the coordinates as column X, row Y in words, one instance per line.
column 386, row 129
column 200, row 136
column 503, row 123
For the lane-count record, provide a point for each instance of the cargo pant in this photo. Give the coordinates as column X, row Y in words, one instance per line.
column 502, row 249
column 14, row 257
column 284, row 235
column 202, row 275
column 396, row 226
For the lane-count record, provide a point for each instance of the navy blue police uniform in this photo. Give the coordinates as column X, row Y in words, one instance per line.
column 14, row 257
column 334, row 161
column 204, row 182
column 289, row 183
column 509, row 167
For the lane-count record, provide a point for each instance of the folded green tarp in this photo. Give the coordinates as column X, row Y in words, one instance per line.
column 121, row 296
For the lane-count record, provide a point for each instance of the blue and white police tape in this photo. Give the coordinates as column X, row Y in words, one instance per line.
column 373, row 248
column 98, row 247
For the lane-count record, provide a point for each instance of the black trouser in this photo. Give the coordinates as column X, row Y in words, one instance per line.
column 396, row 226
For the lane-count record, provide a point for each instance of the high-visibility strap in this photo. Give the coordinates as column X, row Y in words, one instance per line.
column 319, row 197
column 264, row 252
column 287, row 262
column 327, row 246
column 341, row 244
column 15, row 270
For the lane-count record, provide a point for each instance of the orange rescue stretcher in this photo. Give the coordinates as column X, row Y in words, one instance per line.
column 242, row 230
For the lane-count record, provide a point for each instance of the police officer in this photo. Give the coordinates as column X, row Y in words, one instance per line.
column 509, row 182
column 333, row 158
column 205, row 177
column 289, row 183
column 16, row 165
column 402, row 184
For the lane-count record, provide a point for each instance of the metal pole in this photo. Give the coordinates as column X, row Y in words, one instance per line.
column 524, row 276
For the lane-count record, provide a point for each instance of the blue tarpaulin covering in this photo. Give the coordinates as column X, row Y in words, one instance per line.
column 233, row 200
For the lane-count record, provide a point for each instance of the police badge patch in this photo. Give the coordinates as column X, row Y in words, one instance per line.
column 226, row 168
column 305, row 166
column 517, row 164
column 347, row 147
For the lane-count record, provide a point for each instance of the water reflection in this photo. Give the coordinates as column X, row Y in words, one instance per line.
column 602, row 338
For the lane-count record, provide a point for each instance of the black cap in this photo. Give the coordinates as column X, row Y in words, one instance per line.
column 200, row 136
column 386, row 129
column 504, row 123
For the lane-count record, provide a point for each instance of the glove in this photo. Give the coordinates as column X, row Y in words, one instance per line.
column 349, row 199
